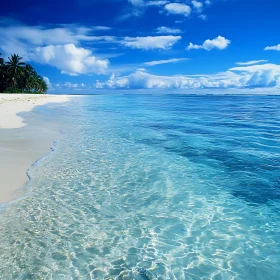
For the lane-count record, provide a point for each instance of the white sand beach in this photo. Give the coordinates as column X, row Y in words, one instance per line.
column 12, row 104
column 21, row 147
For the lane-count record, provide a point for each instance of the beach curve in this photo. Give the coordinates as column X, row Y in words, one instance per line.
column 20, row 144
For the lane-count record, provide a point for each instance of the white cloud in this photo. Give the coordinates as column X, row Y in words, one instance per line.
column 137, row 3
column 101, row 28
column 141, row 3
column 157, row 62
column 178, row 9
column 25, row 39
column 168, row 30
column 39, row 35
column 263, row 75
column 251, row 62
column 70, row 59
column 139, row 7
column 207, row 2
column 217, row 43
column 156, row 3
column 273, row 48
column 256, row 76
column 68, row 87
column 151, row 42
column 32, row 42
column 144, row 80
column 257, row 68
column 47, row 80
column 197, row 5
column 203, row 17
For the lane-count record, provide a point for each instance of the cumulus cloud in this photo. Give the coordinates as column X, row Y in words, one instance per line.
column 49, row 84
column 143, row 80
column 168, row 30
column 217, row 43
column 252, row 62
column 263, row 75
column 165, row 61
column 273, row 48
column 178, row 9
column 256, row 76
column 70, row 59
column 151, row 42
column 197, row 5
column 56, row 46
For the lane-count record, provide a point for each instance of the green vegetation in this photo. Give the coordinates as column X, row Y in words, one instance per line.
column 17, row 76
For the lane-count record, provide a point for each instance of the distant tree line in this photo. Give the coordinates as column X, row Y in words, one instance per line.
column 17, row 76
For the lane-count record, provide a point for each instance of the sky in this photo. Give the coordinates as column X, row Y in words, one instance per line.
column 88, row 46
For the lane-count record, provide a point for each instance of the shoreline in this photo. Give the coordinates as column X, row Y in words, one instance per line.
column 22, row 142
column 13, row 104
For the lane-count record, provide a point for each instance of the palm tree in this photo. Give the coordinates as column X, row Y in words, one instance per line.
column 1, row 60
column 16, row 76
column 3, row 76
column 29, row 74
column 43, row 86
column 15, row 68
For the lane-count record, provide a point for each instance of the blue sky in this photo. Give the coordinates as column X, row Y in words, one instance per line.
column 86, row 46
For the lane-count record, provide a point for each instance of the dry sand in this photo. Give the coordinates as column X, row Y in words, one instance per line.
column 12, row 104
column 21, row 145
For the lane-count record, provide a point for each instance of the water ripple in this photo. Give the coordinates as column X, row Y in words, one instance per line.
column 152, row 188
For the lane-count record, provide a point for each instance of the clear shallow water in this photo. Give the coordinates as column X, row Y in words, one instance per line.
column 152, row 187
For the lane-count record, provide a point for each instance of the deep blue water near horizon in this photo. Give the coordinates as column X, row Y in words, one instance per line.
column 152, row 187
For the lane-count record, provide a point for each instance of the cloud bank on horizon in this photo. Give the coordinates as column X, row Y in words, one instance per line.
column 137, row 44
column 264, row 75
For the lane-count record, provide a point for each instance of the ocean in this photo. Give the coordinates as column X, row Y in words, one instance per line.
column 143, row 186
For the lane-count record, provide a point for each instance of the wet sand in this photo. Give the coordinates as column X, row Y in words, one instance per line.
column 22, row 144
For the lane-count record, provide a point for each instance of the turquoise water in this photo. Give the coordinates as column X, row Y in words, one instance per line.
column 152, row 187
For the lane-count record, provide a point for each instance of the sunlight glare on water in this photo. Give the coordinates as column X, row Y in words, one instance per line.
column 152, row 187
